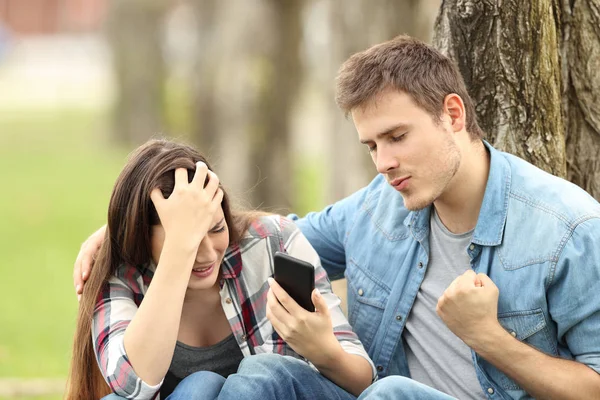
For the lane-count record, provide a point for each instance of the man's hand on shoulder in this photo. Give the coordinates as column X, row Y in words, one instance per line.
column 85, row 259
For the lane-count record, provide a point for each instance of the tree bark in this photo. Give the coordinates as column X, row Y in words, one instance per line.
column 508, row 54
column 581, row 94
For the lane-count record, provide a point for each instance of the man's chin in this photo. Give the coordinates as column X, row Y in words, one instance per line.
column 412, row 204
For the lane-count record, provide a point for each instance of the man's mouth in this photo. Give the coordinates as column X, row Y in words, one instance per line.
column 400, row 183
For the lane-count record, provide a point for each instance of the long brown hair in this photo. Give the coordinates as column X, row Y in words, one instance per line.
column 131, row 214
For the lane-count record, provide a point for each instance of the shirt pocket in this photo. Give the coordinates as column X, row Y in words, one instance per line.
column 528, row 327
column 367, row 299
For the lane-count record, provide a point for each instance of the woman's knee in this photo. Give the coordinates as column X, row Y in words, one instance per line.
column 199, row 385
column 396, row 387
column 270, row 362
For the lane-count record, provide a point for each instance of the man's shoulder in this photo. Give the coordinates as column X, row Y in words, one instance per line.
column 536, row 191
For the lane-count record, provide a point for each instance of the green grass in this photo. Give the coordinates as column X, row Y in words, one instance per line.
column 56, row 173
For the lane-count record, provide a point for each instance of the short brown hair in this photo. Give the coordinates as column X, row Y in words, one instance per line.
column 408, row 65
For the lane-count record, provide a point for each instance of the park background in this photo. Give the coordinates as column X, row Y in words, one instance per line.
column 251, row 84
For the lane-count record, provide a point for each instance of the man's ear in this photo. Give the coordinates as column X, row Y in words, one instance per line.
column 455, row 109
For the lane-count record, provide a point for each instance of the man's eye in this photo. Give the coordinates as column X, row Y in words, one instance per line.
column 398, row 138
column 372, row 148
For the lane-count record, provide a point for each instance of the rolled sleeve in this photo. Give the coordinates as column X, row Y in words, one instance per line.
column 112, row 315
column 574, row 301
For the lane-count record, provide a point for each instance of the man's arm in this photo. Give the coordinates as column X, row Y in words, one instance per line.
column 469, row 308
column 326, row 231
column 540, row 375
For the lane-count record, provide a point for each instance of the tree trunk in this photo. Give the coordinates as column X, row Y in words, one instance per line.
column 508, row 54
column 581, row 93
column 532, row 71
column 135, row 37
column 247, row 82
column 204, row 122
column 278, row 92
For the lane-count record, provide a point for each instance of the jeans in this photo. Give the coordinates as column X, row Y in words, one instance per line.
column 202, row 385
column 274, row 377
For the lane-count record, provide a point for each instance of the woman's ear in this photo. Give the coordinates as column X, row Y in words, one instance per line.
column 455, row 109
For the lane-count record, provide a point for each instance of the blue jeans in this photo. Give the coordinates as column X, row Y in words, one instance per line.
column 202, row 385
column 274, row 377
column 395, row 387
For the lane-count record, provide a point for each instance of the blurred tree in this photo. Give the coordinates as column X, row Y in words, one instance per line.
column 135, row 36
column 531, row 68
column 270, row 145
column 245, row 91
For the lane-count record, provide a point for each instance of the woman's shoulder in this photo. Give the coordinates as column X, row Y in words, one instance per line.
column 136, row 278
column 273, row 225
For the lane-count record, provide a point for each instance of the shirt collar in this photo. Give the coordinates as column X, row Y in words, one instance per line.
column 494, row 208
column 231, row 267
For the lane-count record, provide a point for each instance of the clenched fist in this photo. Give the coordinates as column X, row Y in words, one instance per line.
column 469, row 307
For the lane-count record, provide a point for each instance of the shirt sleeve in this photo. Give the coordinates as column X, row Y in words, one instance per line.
column 326, row 231
column 298, row 246
column 574, row 303
column 114, row 311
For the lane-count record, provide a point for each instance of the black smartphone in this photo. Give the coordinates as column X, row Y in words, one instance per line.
column 296, row 277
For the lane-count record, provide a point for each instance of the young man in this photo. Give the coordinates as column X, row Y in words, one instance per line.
column 469, row 269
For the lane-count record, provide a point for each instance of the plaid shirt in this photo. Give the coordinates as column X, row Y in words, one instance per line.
column 245, row 269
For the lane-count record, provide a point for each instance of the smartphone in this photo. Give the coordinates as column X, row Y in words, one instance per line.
column 296, row 277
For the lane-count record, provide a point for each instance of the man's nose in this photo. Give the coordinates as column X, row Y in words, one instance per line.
column 385, row 162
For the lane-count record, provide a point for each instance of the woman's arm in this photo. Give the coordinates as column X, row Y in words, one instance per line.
column 185, row 218
column 151, row 336
column 112, row 316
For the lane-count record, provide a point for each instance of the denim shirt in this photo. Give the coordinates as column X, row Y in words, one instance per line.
column 537, row 237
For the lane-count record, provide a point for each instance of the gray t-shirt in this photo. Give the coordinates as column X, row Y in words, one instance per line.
column 222, row 358
column 437, row 357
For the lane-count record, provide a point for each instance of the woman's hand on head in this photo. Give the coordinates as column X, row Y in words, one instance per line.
column 187, row 214
column 310, row 334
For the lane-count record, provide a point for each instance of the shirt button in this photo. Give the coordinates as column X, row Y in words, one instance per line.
column 490, row 391
column 420, row 264
column 513, row 333
column 228, row 300
column 361, row 292
column 379, row 368
column 399, row 317
column 244, row 338
column 472, row 247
